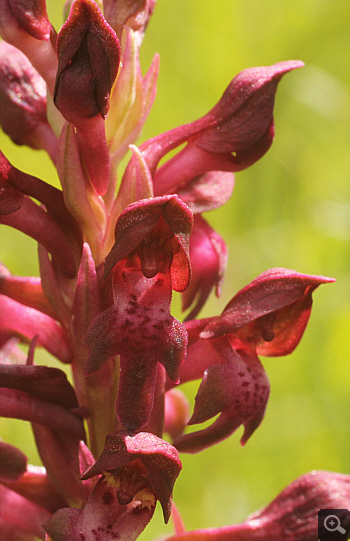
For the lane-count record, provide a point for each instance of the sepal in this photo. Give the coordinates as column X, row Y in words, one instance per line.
column 271, row 313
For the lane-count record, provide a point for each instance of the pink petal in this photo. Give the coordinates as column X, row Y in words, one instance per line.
column 208, row 255
column 25, row 322
column 13, row 463
column 32, row 17
column 35, row 486
column 26, row 290
column 20, row 518
column 102, row 515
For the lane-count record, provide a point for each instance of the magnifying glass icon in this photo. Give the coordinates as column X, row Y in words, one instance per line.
column 332, row 524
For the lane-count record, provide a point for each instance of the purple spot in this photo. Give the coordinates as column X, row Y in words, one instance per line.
column 108, row 498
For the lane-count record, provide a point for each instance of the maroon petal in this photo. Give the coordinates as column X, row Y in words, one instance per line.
column 232, row 136
column 35, row 486
column 292, row 516
column 245, row 110
column 20, row 519
column 160, row 227
column 50, row 384
column 270, row 313
column 238, row 390
column 160, row 459
column 26, row 322
column 208, row 255
column 25, row 289
column 140, row 328
column 32, row 17
column 13, row 463
column 103, row 515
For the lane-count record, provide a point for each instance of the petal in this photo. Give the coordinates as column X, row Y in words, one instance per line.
column 292, row 516
column 26, row 322
column 207, row 192
column 25, row 289
column 102, row 515
column 244, row 111
column 32, row 17
column 13, row 463
column 50, row 384
column 20, row 518
column 23, row 102
column 232, row 136
column 271, row 312
column 136, row 224
column 160, row 459
column 238, row 390
column 140, row 328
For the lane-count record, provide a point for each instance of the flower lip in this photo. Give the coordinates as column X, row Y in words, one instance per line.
column 159, row 460
column 160, row 227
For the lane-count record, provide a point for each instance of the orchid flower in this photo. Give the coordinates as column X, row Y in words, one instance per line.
column 112, row 248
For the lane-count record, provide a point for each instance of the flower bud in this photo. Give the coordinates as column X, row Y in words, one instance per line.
column 88, row 52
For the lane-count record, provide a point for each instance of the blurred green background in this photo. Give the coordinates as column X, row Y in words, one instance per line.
column 291, row 209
